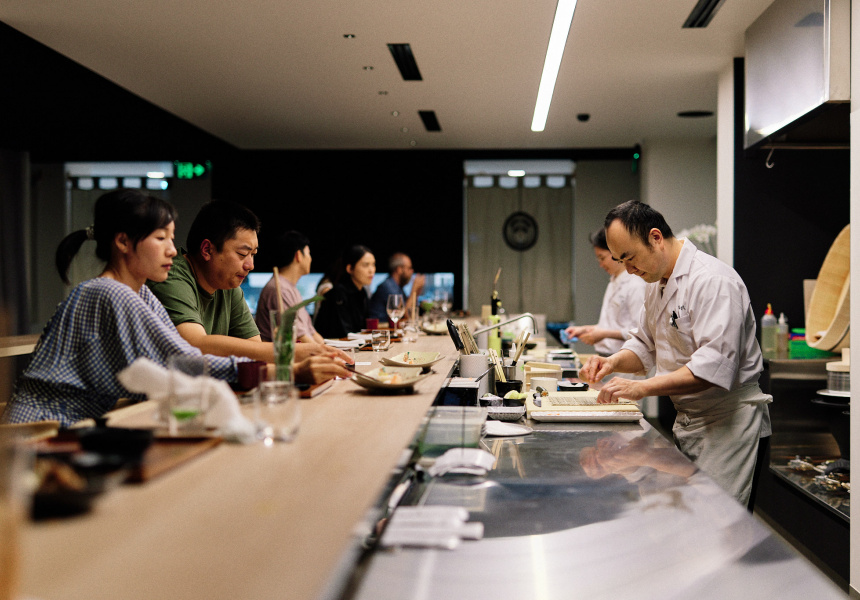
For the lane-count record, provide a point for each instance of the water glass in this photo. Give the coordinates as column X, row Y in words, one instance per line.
column 411, row 330
column 279, row 410
column 188, row 393
column 380, row 339
column 442, row 301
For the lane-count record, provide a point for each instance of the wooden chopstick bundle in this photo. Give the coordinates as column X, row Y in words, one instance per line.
column 469, row 343
column 500, row 373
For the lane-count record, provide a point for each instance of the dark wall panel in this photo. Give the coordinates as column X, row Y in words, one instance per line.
column 786, row 217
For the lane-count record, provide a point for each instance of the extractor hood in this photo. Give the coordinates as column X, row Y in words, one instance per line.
column 798, row 75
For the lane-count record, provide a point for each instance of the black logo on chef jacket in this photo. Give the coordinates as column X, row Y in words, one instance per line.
column 520, row 231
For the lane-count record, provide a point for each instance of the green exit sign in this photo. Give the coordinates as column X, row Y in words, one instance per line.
column 191, row 170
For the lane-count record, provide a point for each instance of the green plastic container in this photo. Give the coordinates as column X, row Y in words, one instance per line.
column 800, row 349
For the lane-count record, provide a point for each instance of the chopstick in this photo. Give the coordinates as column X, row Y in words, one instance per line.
column 521, row 346
column 500, row 373
column 278, row 288
column 468, row 341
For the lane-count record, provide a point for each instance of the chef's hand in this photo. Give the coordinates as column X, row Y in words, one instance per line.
column 577, row 332
column 620, row 389
column 592, row 336
column 595, row 369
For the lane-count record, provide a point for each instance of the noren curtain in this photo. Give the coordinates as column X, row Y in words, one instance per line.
column 537, row 280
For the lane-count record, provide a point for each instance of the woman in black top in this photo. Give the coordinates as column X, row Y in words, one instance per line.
column 344, row 308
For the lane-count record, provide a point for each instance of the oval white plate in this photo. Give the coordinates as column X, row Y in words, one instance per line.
column 423, row 359
column 502, row 429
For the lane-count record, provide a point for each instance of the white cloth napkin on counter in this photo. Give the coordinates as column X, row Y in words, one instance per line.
column 144, row 376
column 343, row 343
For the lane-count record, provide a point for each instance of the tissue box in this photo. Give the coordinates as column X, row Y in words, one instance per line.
column 451, row 427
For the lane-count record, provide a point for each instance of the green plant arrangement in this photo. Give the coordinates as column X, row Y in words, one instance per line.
column 282, row 339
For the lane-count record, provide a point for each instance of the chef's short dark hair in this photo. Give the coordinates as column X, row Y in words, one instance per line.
column 598, row 239
column 638, row 219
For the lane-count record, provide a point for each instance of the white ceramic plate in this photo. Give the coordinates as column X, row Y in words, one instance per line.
column 377, row 379
column 834, row 393
column 418, row 359
column 500, row 429
column 440, row 328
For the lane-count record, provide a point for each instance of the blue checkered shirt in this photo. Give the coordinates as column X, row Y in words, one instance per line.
column 100, row 329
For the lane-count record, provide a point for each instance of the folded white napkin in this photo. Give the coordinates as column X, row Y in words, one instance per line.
column 343, row 343
column 364, row 337
column 144, row 376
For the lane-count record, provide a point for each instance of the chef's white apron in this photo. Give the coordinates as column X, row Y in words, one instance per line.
column 721, row 436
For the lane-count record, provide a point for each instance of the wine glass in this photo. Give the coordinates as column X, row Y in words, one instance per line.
column 395, row 308
column 442, row 302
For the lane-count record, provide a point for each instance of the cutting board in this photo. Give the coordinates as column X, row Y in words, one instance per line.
column 167, row 453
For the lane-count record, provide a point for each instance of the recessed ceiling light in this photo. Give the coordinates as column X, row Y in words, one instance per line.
column 349, row 36
column 695, row 114
column 404, row 129
column 395, row 113
column 413, row 143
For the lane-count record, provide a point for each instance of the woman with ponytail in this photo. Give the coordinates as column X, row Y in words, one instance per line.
column 109, row 321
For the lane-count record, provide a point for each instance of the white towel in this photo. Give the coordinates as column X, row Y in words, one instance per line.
column 144, row 376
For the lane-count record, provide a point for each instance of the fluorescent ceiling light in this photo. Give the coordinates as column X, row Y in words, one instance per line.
column 554, row 52
column 516, row 173
column 155, row 174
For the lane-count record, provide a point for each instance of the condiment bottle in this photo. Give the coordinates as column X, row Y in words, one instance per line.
column 769, row 332
column 782, row 337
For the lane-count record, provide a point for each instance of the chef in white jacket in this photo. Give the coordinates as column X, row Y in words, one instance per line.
column 699, row 330
column 622, row 303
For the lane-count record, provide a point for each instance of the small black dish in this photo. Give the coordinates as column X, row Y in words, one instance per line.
column 503, row 387
column 62, row 503
column 125, row 442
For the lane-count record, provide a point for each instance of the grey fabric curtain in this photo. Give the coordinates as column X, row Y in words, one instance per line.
column 537, row 280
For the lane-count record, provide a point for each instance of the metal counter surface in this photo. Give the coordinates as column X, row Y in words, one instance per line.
column 595, row 511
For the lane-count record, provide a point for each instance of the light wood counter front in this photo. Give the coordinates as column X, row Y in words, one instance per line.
column 240, row 522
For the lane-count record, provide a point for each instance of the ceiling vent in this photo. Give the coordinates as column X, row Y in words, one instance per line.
column 702, row 13
column 402, row 54
column 431, row 123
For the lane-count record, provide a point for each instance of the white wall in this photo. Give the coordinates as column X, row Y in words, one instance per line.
column 600, row 186
column 726, row 165
column 679, row 179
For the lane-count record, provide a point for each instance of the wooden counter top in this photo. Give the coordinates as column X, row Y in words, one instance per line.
column 17, row 345
column 240, row 522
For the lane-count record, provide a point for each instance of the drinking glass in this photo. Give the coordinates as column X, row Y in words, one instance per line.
column 441, row 299
column 279, row 412
column 188, row 393
column 410, row 330
column 395, row 308
column 380, row 339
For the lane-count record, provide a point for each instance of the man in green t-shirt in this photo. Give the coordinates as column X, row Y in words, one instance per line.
column 202, row 295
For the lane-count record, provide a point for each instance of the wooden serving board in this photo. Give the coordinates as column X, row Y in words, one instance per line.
column 166, row 453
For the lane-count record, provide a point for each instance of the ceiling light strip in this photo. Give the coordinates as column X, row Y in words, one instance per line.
column 554, row 53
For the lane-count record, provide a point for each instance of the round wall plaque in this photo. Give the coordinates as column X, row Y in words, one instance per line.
column 520, row 231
